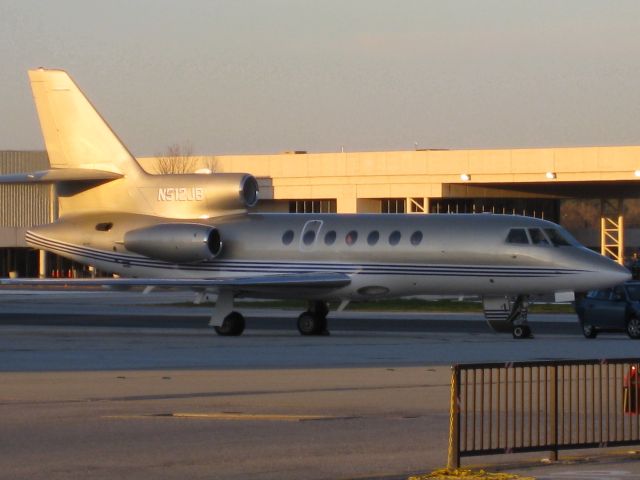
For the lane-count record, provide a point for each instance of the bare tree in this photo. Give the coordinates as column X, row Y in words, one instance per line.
column 176, row 159
column 211, row 164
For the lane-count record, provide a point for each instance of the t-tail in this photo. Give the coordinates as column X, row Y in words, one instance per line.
column 75, row 134
column 94, row 172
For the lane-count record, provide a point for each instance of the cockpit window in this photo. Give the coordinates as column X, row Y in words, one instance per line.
column 537, row 237
column 517, row 235
column 557, row 238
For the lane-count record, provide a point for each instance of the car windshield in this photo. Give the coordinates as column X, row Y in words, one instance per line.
column 634, row 292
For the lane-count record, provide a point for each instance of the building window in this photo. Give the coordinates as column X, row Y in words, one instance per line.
column 313, row 206
column 392, row 205
column 547, row 209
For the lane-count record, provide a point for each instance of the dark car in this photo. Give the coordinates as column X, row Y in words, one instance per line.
column 611, row 310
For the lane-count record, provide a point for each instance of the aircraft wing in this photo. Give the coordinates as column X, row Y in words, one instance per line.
column 60, row 175
column 248, row 284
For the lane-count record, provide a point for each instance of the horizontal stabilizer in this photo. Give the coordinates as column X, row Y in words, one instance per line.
column 254, row 284
column 61, row 175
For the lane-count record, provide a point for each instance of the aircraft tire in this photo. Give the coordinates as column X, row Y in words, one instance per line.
column 310, row 324
column 521, row 331
column 232, row 325
column 589, row 331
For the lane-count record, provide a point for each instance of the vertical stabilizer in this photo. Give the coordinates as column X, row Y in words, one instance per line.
column 75, row 134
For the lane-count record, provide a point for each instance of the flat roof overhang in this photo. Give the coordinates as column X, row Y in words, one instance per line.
column 552, row 189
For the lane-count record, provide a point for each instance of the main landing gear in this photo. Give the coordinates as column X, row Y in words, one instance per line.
column 232, row 325
column 314, row 320
column 224, row 320
column 505, row 315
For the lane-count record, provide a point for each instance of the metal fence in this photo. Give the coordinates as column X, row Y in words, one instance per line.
column 499, row 408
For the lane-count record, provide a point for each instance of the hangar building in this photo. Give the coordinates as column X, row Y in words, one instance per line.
column 592, row 191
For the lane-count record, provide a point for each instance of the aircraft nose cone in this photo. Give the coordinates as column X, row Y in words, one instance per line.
column 613, row 273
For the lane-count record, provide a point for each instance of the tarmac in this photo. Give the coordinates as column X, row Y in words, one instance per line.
column 114, row 384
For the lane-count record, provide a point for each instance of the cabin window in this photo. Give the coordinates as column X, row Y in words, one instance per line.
column 557, row 238
column 351, row 238
column 104, row 227
column 416, row 238
column 287, row 238
column 330, row 237
column 517, row 235
column 373, row 238
column 309, row 237
column 537, row 237
column 394, row 238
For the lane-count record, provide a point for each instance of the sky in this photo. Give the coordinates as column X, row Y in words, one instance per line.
column 264, row 76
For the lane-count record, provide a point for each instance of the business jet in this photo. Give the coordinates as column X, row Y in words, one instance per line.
column 196, row 232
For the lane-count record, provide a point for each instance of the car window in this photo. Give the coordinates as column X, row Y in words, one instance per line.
column 618, row 293
column 602, row 294
column 634, row 292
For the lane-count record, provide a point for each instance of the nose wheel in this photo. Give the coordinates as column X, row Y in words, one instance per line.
column 505, row 314
column 522, row 331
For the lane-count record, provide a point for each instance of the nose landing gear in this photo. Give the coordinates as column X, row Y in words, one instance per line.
column 505, row 315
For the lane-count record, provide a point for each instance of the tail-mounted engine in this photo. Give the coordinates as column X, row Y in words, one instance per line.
column 232, row 190
column 175, row 242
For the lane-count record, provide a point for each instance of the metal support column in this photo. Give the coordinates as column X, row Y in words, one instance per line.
column 453, row 457
column 612, row 230
column 42, row 264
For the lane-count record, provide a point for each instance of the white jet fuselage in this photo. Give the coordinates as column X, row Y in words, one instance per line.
column 383, row 255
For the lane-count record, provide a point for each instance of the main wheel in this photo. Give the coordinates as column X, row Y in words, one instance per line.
column 633, row 328
column 310, row 324
column 589, row 331
column 521, row 331
column 232, row 325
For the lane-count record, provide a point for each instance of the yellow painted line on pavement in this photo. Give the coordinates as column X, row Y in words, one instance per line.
column 251, row 416
column 228, row 416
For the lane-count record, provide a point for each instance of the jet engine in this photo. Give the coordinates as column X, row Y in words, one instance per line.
column 229, row 191
column 175, row 242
